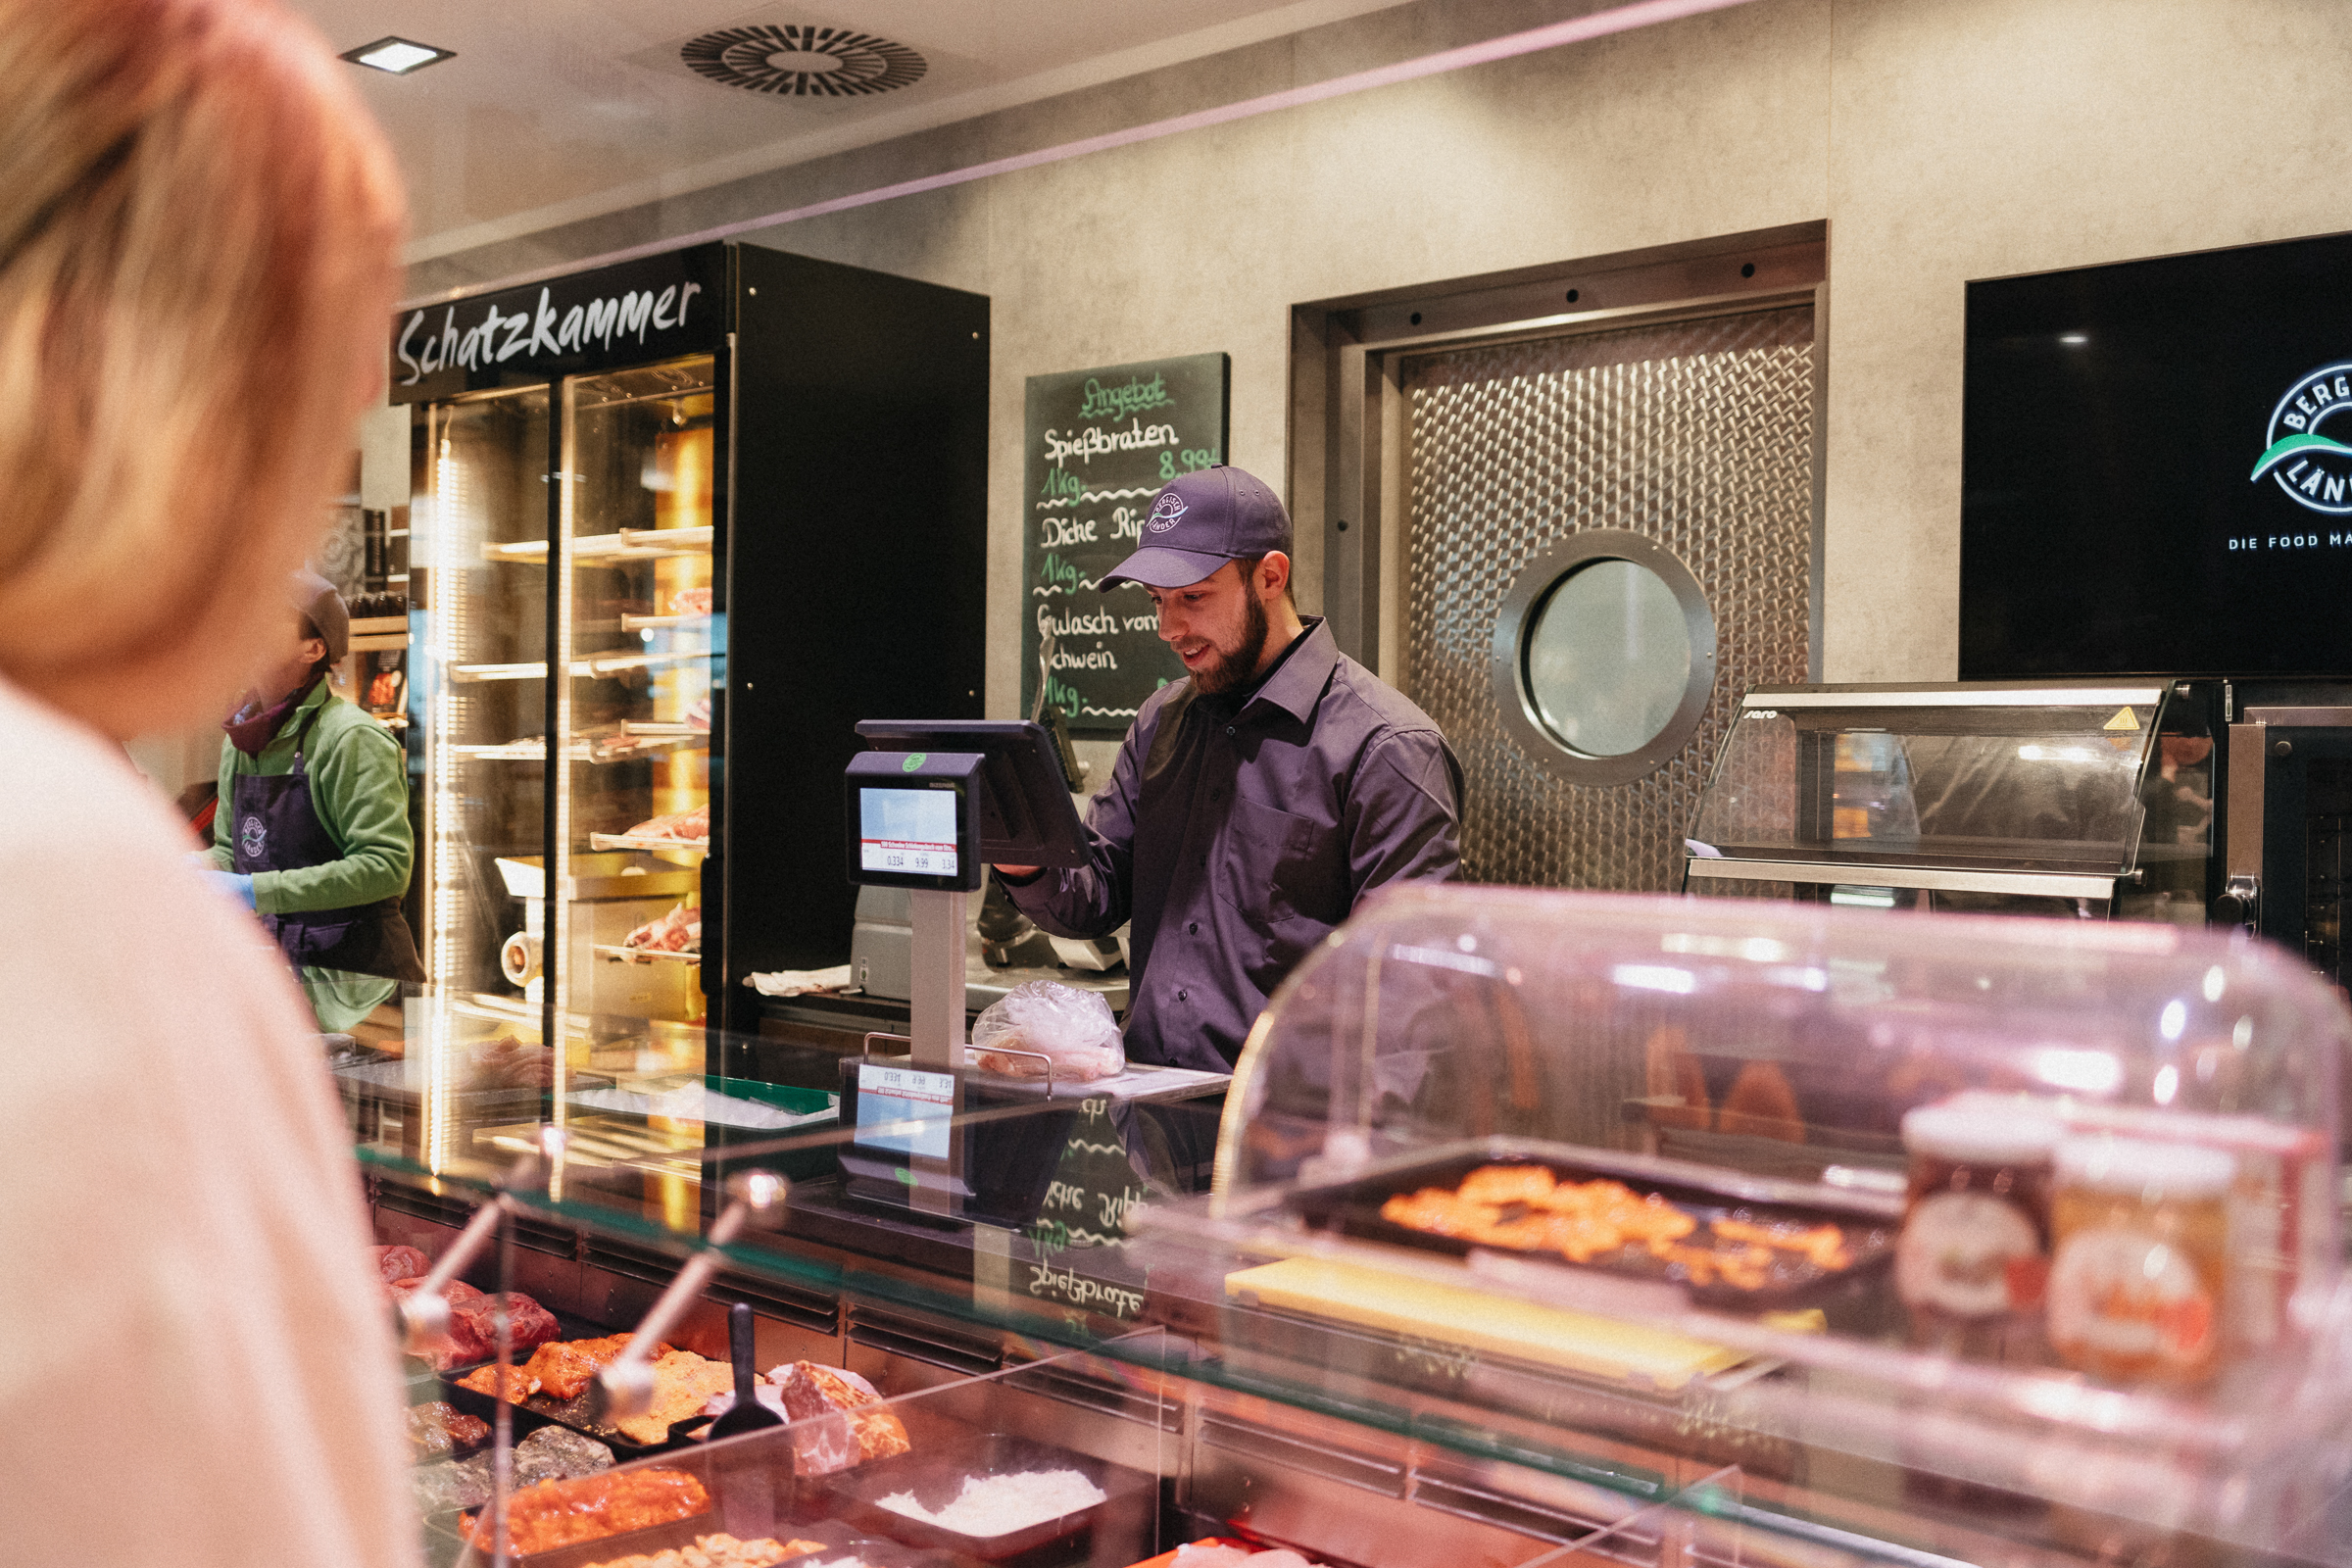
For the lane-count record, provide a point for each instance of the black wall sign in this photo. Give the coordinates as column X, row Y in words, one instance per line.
column 627, row 314
column 2156, row 468
column 1102, row 443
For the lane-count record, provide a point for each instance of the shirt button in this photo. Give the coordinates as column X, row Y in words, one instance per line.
column 1193, row 929
column 1229, row 729
column 1183, row 996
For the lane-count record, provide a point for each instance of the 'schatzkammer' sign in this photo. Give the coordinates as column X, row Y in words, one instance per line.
column 1100, row 443
column 626, row 315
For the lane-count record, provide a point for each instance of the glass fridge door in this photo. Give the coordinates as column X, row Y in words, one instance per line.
column 481, row 537
column 637, row 634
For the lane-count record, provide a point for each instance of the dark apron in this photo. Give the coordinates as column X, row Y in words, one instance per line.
column 276, row 829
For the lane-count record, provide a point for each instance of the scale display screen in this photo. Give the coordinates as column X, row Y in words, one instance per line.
column 903, row 1110
column 909, row 832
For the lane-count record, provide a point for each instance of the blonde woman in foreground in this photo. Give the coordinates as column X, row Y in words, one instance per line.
column 198, row 238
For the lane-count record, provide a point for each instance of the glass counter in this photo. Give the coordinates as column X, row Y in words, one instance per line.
column 1298, row 1361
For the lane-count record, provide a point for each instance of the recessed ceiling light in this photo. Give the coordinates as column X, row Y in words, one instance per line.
column 397, row 56
column 2074, row 340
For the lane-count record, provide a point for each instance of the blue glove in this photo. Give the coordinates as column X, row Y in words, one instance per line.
column 236, row 886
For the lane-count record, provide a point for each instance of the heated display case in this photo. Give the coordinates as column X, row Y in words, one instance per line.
column 661, row 515
column 1544, row 1227
column 2090, row 800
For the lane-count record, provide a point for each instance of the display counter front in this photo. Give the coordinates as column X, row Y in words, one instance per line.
column 1532, row 1226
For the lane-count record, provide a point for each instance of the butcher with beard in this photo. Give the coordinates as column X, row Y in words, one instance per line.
column 1256, row 802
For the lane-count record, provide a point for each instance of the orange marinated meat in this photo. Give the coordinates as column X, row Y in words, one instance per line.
column 1824, row 1245
column 560, row 1370
column 1508, row 1184
column 1526, row 1208
column 560, row 1513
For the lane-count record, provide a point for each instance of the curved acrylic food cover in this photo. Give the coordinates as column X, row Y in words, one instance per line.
column 1772, row 1050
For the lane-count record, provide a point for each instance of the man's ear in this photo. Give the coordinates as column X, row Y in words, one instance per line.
column 1273, row 574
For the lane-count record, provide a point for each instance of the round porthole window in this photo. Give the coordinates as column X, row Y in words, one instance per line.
column 1604, row 656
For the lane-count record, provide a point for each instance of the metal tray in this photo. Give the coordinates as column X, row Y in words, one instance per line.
column 1867, row 1223
column 936, row 1470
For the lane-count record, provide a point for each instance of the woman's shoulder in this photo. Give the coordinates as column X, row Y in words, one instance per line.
column 68, row 789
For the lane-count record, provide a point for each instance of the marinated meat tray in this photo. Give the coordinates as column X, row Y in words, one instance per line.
column 832, row 1543
column 1731, row 1242
column 572, row 1408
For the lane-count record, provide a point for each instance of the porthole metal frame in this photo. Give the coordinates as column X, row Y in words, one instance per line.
column 1529, row 594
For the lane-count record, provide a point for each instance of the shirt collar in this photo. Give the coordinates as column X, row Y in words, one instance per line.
column 1296, row 682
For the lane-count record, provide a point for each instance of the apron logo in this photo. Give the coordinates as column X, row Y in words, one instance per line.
column 252, row 835
column 2313, row 470
column 1166, row 513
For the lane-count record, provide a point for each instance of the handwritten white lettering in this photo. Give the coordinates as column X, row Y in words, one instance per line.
column 545, row 331
column 1092, row 442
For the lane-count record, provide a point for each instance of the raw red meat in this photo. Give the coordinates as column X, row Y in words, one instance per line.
column 400, row 1264
column 458, row 1290
column 473, row 1329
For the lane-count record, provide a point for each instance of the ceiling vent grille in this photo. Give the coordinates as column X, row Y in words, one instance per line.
column 796, row 62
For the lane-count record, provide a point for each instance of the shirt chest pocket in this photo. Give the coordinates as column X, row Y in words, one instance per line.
column 1267, row 866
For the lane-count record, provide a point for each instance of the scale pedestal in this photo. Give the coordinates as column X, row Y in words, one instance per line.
column 936, row 1028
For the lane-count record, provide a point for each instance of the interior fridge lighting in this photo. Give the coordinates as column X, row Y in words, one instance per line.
column 1862, row 898
column 2093, row 1072
column 397, row 56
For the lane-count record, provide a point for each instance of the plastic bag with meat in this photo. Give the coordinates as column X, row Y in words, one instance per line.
column 1072, row 1028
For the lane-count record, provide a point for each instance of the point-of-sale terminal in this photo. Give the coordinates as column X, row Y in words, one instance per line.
column 930, row 809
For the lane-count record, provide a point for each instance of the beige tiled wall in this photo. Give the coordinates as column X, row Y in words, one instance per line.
column 1941, row 139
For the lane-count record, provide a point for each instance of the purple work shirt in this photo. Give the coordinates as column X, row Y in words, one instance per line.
column 1238, row 829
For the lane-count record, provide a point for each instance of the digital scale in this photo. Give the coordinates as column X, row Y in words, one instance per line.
column 930, row 809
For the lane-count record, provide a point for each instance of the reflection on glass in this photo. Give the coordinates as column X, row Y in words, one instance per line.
column 481, row 529
column 636, row 624
column 1608, row 658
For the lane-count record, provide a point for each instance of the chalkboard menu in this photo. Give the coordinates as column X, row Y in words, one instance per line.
column 1102, row 443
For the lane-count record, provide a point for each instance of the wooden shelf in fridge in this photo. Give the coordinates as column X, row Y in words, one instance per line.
column 629, row 841
column 630, row 544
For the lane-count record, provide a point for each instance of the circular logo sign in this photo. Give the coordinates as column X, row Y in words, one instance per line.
column 252, row 837
column 1167, row 512
column 914, row 759
column 2313, row 470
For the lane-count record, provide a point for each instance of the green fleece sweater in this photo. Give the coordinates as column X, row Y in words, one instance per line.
column 360, row 789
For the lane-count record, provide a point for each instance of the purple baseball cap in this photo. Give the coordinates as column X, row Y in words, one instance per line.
column 1200, row 520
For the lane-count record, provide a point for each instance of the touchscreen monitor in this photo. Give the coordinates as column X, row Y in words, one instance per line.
column 907, row 831
column 912, row 822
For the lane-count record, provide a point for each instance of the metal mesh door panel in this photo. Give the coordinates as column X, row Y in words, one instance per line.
column 1697, row 434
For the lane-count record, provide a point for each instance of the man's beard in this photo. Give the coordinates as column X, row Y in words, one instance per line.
column 1228, row 671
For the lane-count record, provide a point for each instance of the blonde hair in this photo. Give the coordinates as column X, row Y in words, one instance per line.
column 199, row 232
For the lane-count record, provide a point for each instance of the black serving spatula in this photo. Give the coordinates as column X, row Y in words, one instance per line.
column 747, row 1415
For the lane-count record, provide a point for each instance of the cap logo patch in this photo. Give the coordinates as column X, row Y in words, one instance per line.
column 1166, row 513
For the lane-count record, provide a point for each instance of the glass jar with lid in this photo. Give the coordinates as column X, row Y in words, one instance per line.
column 1975, row 1254
column 2139, row 1267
